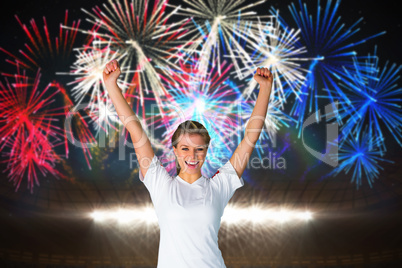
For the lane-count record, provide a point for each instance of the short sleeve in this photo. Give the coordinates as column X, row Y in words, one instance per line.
column 228, row 181
column 155, row 178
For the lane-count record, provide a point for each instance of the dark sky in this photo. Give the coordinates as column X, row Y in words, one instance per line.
column 378, row 16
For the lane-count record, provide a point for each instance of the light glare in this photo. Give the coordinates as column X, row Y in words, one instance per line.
column 231, row 215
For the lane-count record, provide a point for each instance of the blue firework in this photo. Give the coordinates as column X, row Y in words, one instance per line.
column 332, row 44
column 374, row 99
column 361, row 155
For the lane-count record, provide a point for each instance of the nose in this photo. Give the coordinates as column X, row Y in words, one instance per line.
column 192, row 155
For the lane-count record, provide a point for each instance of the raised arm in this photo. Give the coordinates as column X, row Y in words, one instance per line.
column 242, row 154
column 142, row 145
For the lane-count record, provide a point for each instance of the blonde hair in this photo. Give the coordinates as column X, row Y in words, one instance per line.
column 190, row 127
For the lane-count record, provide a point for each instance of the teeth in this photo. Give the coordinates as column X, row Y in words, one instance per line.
column 192, row 163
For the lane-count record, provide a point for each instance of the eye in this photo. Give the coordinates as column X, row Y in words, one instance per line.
column 199, row 149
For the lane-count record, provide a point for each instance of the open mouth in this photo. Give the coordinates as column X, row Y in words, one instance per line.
column 192, row 164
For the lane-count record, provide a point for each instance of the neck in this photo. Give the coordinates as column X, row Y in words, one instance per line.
column 190, row 178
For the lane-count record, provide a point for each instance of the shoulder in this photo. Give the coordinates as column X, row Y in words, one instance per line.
column 227, row 174
column 156, row 171
column 215, row 174
column 226, row 169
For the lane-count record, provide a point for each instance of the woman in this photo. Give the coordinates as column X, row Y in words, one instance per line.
column 189, row 206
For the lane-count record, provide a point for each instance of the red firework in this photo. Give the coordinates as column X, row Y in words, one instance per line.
column 83, row 135
column 27, row 129
column 44, row 50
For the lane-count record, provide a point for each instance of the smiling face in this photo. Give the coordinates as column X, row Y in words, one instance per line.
column 191, row 152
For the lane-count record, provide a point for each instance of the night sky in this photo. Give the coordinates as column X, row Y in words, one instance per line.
column 378, row 17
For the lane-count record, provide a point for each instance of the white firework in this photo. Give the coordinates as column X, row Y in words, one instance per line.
column 277, row 50
column 87, row 69
column 219, row 23
column 145, row 36
column 104, row 116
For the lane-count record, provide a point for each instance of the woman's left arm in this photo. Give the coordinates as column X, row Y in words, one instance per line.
column 241, row 156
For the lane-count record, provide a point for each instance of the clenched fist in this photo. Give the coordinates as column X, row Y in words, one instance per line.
column 111, row 72
column 264, row 77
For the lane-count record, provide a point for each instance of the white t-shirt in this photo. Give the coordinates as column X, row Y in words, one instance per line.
column 189, row 215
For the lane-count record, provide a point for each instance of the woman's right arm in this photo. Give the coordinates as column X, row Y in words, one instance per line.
column 142, row 145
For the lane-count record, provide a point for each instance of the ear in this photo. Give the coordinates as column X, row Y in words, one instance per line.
column 175, row 150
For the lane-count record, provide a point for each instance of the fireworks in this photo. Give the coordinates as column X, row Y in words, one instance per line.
column 28, row 130
column 83, row 132
column 104, row 116
column 89, row 67
column 276, row 48
column 219, row 24
column 374, row 100
column 355, row 154
column 44, row 51
column 145, row 36
column 333, row 46
column 194, row 61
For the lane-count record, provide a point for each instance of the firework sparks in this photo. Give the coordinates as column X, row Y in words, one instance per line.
column 28, row 129
column 88, row 68
column 276, row 47
column 28, row 153
column 44, row 51
column 83, row 132
column 144, row 36
column 374, row 100
column 355, row 154
column 220, row 24
column 104, row 116
column 332, row 45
